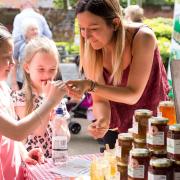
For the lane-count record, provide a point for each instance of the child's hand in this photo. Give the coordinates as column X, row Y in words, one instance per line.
column 34, row 156
column 55, row 91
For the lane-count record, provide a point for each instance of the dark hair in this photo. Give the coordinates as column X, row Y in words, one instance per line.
column 96, row 7
column 4, row 34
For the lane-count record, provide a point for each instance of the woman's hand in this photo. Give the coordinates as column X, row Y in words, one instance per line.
column 98, row 128
column 34, row 156
column 77, row 88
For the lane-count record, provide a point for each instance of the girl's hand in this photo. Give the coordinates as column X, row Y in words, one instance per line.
column 77, row 88
column 98, row 128
column 34, row 156
column 56, row 91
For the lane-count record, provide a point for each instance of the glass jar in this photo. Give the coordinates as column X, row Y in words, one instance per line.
column 122, row 169
column 138, row 164
column 176, row 170
column 158, row 154
column 167, row 109
column 140, row 122
column 157, row 133
column 173, row 142
column 139, row 143
column 125, row 145
column 160, row 169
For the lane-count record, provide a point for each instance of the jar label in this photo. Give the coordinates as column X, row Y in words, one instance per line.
column 173, row 146
column 157, row 138
column 135, row 126
column 118, row 151
column 156, row 177
column 176, row 176
column 135, row 169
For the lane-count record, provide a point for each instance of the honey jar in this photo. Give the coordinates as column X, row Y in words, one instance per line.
column 125, row 145
column 160, row 169
column 173, row 142
column 140, row 123
column 138, row 164
column 139, row 143
column 157, row 133
column 122, row 169
column 167, row 109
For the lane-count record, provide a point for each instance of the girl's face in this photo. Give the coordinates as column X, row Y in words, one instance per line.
column 95, row 30
column 43, row 67
column 6, row 59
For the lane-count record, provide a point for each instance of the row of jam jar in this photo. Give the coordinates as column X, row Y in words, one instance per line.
column 154, row 133
column 139, row 167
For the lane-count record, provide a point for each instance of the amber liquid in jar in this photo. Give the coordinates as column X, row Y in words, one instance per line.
column 138, row 164
column 140, row 123
column 122, row 169
column 139, row 143
column 160, row 169
column 124, row 146
column 167, row 109
column 157, row 133
column 173, row 142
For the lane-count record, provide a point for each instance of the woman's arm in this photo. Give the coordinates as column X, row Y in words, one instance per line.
column 102, row 113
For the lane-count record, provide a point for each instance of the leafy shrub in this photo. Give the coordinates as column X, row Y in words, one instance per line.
column 162, row 28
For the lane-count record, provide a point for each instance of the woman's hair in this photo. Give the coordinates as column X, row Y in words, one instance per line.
column 92, row 60
column 4, row 35
column 36, row 45
column 135, row 13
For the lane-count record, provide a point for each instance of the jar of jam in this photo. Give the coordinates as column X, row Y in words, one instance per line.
column 160, row 169
column 122, row 169
column 157, row 133
column 173, row 142
column 158, row 154
column 125, row 145
column 138, row 164
column 167, row 109
column 176, row 170
column 140, row 122
column 139, row 143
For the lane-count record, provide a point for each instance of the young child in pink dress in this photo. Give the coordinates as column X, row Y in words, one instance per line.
column 11, row 130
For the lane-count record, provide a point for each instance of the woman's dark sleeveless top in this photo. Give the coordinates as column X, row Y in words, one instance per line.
column 155, row 91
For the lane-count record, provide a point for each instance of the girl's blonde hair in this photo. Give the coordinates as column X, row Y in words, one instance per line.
column 92, row 60
column 36, row 45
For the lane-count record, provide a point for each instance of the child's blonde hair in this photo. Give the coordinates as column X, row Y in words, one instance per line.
column 92, row 60
column 36, row 45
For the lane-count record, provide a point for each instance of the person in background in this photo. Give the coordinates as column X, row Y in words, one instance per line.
column 122, row 65
column 30, row 30
column 134, row 13
column 40, row 65
column 28, row 13
column 11, row 130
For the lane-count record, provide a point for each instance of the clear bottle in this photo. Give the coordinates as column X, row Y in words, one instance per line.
column 59, row 137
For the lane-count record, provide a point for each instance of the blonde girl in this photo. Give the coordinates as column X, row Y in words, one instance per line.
column 41, row 64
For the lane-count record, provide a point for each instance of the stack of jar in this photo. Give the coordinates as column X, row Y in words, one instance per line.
column 150, row 140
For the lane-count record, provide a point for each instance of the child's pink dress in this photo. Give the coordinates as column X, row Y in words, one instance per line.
column 10, row 159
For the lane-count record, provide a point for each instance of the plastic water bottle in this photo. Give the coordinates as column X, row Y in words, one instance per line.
column 59, row 138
